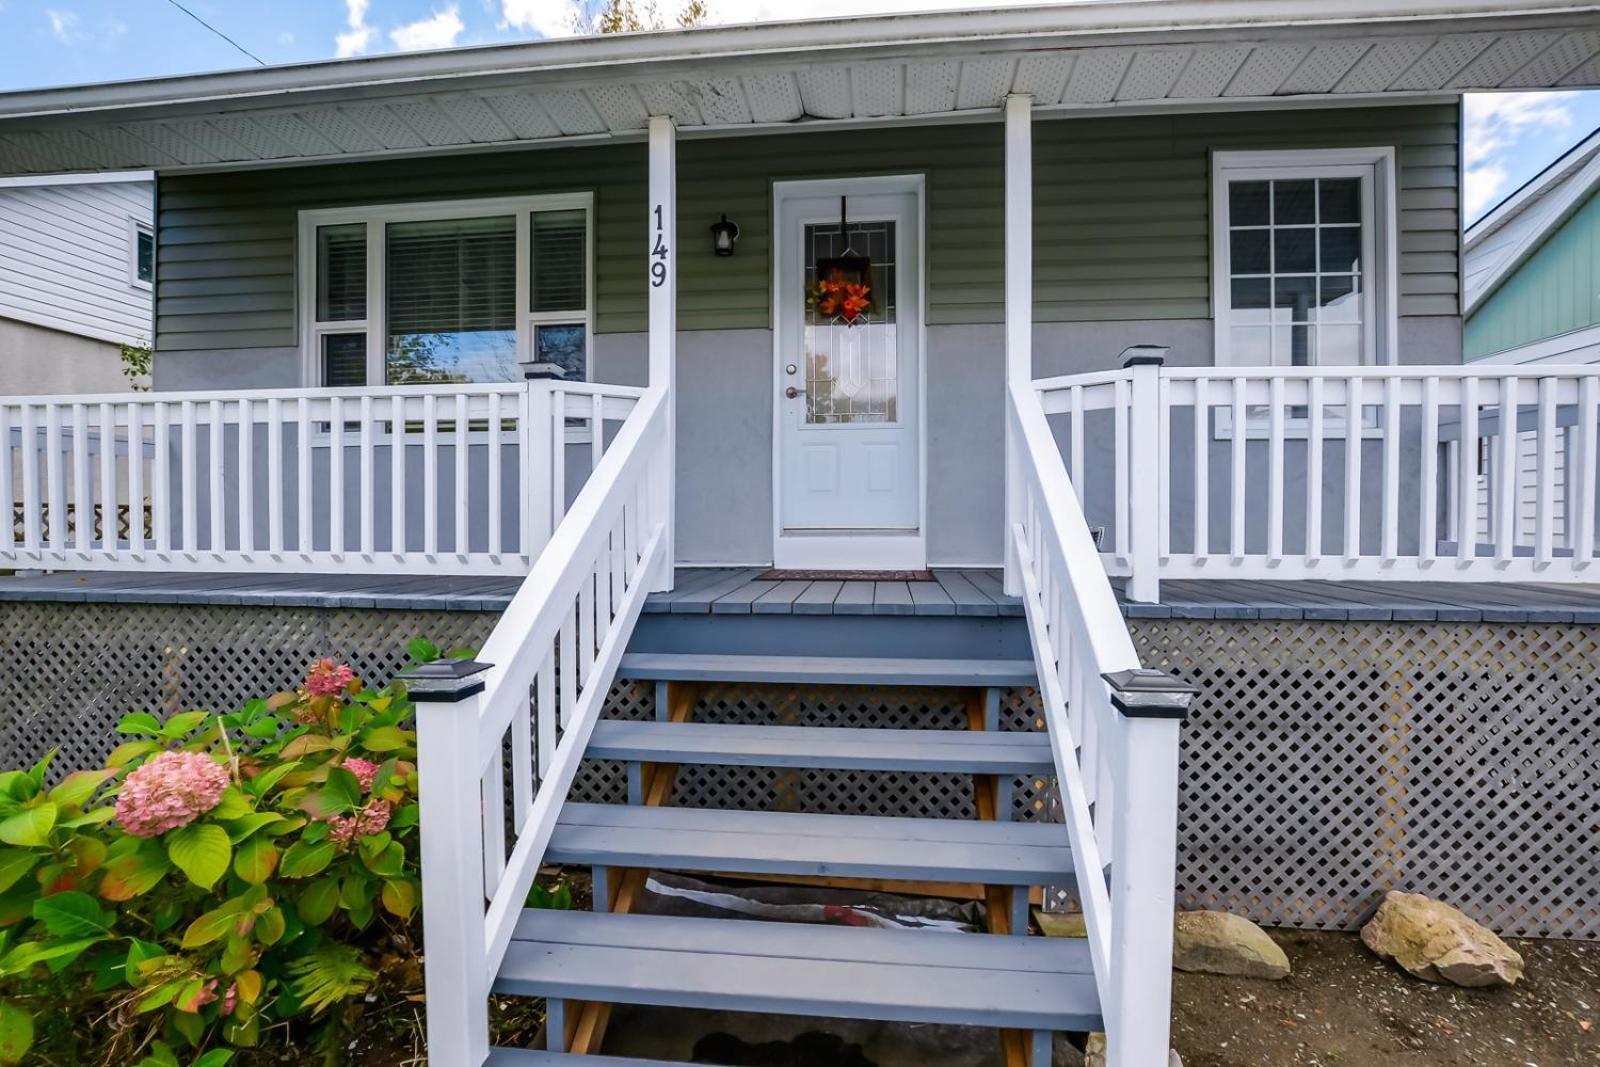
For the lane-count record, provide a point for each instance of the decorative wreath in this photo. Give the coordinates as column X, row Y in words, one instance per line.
column 837, row 297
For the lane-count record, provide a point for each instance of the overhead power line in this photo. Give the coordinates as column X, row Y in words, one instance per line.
column 218, row 32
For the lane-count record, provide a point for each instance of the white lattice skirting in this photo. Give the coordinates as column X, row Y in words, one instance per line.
column 1326, row 762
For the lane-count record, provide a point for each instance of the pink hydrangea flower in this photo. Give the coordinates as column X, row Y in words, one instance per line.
column 364, row 770
column 343, row 829
column 325, row 679
column 230, row 999
column 171, row 790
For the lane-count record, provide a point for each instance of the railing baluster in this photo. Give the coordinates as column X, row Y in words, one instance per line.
column 9, row 455
column 1202, row 468
column 32, row 531
column 463, row 490
column 1122, row 510
column 109, row 541
column 1588, row 472
column 545, row 687
column 82, row 490
column 430, row 477
column 187, row 477
column 1428, row 524
column 397, row 475
column 1275, row 430
column 496, row 490
column 247, row 478
column 305, row 543
column 597, row 430
column 275, row 477
column 336, row 501
column 161, row 502
column 1236, row 479
column 217, row 446
column 1467, row 473
column 369, row 482
column 1075, row 469
column 558, row 456
column 1544, row 536
column 492, row 795
column 568, row 659
column 137, row 531
column 1507, row 471
column 1315, row 449
column 522, row 772
column 586, row 602
column 1391, row 469
column 1353, row 437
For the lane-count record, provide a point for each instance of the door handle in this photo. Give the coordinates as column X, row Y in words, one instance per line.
column 792, row 392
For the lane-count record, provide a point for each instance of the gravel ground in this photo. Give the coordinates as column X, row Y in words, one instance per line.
column 1343, row 1006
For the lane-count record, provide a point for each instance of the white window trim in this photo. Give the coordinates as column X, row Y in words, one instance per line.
column 377, row 216
column 135, row 228
column 1379, row 198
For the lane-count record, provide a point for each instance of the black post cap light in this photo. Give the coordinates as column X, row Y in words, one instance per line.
column 723, row 236
column 444, row 681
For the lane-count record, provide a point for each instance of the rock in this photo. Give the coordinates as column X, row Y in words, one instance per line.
column 1214, row 942
column 1094, row 1054
column 1061, row 924
column 1435, row 942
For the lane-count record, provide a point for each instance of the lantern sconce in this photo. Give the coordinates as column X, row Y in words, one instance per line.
column 723, row 236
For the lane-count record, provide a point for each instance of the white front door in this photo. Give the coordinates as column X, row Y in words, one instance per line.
column 849, row 437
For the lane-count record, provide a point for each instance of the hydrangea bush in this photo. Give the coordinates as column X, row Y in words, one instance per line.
column 222, row 874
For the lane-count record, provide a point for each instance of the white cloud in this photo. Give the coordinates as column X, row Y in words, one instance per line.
column 1496, row 123
column 64, row 25
column 547, row 18
column 438, row 31
column 359, row 36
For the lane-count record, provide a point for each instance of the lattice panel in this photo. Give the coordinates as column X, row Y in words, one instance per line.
column 68, row 672
column 1329, row 762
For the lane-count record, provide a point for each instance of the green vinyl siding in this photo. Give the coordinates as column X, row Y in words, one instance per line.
column 1556, row 291
column 1121, row 216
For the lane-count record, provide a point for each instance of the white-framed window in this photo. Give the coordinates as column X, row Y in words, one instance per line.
column 1304, row 257
column 449, row 291
column 141, row 254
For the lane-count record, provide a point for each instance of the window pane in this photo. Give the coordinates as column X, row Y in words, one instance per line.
column 452, row 301
column 1340, row 299
column 1339, row 346
column 1250, row 252
column 1251, row 299
column 1341, row 249
column 1252, row 346
column 1293, row 344
column 344, row 359
column 1293, row 299
column 342, row 272
column 145, row 257
column 563, row 344
column 1295, row 250
column 1340, row 199
column 1248, row 204
column 559, row 260
column 1294, row 203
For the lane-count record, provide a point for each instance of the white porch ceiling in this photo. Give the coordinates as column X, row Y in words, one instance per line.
column 1131, row 53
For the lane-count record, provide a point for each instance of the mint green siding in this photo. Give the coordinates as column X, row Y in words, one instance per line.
column 1556, row 291
column 1121, row 220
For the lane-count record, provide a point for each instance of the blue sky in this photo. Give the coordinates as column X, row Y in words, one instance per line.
column 1509, row 136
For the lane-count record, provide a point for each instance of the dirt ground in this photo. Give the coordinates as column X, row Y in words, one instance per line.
column 1342, row 1007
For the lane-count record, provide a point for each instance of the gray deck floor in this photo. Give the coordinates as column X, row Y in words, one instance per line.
column 738, row 591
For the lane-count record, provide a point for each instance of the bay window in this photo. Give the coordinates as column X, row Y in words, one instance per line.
column 1304, row 257
column 463, row 291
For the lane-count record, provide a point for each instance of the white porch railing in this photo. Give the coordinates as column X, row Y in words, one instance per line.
column 1116, row 761
column 1247, row 473
column 408, row 479
column 552, row 658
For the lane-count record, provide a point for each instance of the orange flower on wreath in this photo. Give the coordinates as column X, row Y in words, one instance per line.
column 835, row 297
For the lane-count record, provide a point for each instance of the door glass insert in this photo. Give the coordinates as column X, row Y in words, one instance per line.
column 852, row 368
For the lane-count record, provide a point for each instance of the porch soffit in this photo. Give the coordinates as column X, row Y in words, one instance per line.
column 748, row 79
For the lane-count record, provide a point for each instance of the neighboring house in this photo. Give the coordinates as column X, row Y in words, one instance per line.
column 77, row 268
column 1533, row 268
column 854, row 299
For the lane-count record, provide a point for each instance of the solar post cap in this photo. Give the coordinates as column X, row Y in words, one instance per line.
column 1145, row 693
column 444, row 681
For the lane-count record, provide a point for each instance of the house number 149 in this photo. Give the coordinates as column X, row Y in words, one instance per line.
column 658, row 253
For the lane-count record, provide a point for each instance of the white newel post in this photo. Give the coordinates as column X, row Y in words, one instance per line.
column 1144, row 489
column 1151, row 706
column 1018, row 305
column 448, row 697
column 662, row 260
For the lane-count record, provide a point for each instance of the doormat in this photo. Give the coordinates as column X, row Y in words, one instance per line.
column 776, row 575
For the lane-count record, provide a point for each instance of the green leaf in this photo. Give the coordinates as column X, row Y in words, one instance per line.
column 461, row 653
column 180, row 725
column 318, row 900
column 261, row 783
column 16, row 1033
column 257, row 858
column 72, row 914
column 422, row 651
column 134, row 875
column 340, row 796
column 201, row 851
column 217, row 1057
column 92, row 817
column 263, row 729
column 78, row 787
column 56, row 954
column 138, row 952
column 247, row 826
column 140, row 723
column 387, row 739
column 410, row 815
column 327, row 975
column 389, row 863
column 303, row 860
column 13, row 865
column 40, row 769
column 399, row 897
column 233, row 805
column 212, row 926
column 17, row 786
column 160, row 1053
column 31, row 827
column 129, row 751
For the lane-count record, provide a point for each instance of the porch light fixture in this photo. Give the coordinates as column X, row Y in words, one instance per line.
column 723, row 236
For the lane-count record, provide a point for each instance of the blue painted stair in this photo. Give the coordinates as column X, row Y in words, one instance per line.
column 1014, row 983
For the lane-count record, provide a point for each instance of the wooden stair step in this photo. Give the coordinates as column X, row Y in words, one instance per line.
column 793, row 843
column 826, row 670
column 823, row 748
column 796, row 969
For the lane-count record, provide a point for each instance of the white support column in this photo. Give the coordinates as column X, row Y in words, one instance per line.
column 662, row 267
column 1146, row 446
column 1019, row 303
